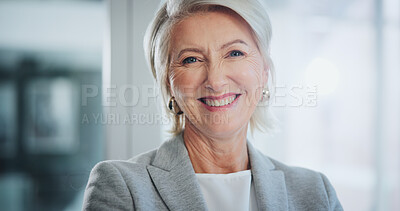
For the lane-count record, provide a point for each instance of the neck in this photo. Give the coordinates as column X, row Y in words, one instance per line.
column 216, row 155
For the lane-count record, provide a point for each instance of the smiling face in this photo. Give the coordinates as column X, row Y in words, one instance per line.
column 216, row 72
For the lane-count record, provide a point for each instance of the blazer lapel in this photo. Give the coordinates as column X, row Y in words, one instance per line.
column 269, row 183
column 174, row 177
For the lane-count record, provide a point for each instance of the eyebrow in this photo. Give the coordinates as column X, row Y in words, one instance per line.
column 222, row 47
column 189, row 50
column 233, row 42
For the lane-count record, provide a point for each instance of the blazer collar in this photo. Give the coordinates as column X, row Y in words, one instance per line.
column 173, row 175
column 269, row 183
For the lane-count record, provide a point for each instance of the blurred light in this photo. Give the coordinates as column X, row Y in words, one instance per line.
column 322, row 74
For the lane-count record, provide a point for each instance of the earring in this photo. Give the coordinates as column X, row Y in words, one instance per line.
column 265, row 95
column 173, row 106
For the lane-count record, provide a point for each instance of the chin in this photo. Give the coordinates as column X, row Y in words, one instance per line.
column 224, row 129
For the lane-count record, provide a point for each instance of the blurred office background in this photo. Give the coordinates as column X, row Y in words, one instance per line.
column 75, row 90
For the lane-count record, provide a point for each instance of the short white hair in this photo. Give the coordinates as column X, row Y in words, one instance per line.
column 157, row 42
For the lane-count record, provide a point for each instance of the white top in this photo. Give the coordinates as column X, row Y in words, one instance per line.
column 232, row 192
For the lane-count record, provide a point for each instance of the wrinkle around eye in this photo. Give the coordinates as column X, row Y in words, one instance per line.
column 181, row 65
column 190, row 60
column 236, row 53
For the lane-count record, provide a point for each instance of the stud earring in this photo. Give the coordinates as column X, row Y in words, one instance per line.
column 265, row 95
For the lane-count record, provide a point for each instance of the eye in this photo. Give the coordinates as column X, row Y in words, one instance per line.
column 189, row 60
column 235, row 53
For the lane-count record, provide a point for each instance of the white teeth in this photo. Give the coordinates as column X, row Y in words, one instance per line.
column 219, row 103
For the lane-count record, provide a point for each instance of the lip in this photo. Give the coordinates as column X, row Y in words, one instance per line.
column 219, row 97
column 219, row 108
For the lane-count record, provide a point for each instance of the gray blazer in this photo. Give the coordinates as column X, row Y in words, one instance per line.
column 164, row 179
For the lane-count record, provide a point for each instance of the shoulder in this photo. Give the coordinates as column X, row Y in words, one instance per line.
column 297, row 175
column 123, row 168
column 106, row 189
column 135, row 166
column 113, row 183
column 304, row 186
column 294, row 176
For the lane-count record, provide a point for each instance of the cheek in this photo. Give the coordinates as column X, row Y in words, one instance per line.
column 184, row 84
column 247, row 74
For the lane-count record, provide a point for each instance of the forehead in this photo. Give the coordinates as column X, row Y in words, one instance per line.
column 211, row 28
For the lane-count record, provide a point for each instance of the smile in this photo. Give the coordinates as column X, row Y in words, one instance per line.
column 219, row 101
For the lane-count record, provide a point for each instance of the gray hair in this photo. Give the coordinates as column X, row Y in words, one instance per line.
column 157, row 42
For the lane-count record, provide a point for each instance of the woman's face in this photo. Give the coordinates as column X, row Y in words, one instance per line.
column 216, row 72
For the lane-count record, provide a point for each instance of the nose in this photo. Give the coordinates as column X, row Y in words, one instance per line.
column 216, row 79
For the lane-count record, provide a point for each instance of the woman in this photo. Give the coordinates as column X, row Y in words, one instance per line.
column 211, row 61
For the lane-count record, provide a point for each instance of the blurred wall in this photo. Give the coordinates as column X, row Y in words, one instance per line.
column 128, row 85
column 49, row 52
